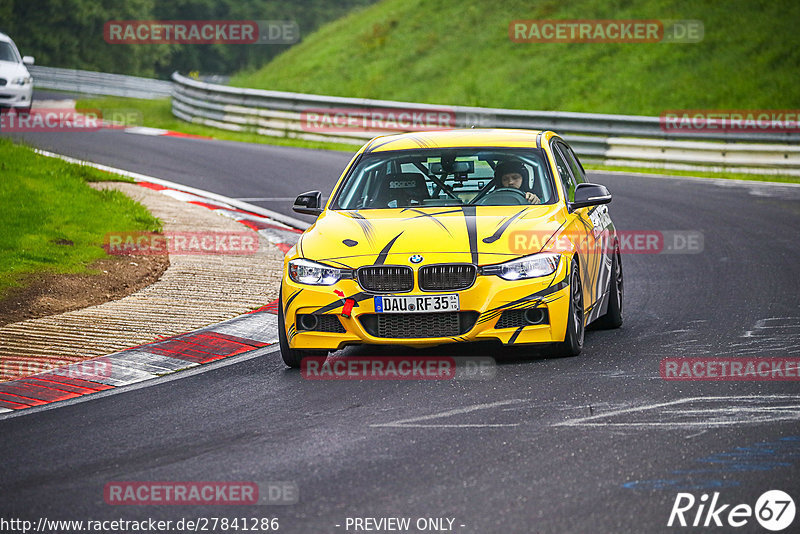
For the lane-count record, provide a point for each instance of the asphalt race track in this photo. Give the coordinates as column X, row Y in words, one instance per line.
column 596, row 443
column 240, row 170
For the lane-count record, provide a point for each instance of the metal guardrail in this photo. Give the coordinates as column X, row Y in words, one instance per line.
column 99, row 83
column 627, row 140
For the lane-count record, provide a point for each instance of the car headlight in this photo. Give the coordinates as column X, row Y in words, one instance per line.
column 316, row 274
column 23, row 80
column 531, row 266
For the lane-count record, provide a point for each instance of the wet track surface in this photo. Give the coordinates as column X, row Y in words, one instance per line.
column 596, row 443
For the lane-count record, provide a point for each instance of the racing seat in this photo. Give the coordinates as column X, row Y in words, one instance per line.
column 401, row 190
column 537, row 188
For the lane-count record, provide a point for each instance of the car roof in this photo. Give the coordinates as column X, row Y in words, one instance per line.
column 473, row 137
column 4, row 37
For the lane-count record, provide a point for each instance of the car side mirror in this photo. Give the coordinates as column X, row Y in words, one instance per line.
column 309, row 203
column 28, row 60
column 589, row 195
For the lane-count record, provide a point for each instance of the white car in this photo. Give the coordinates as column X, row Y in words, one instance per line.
column 16, row 84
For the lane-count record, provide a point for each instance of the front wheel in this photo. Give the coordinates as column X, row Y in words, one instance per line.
column 573, row 338
column 291, row 357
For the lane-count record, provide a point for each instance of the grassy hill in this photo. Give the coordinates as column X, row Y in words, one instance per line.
column 448, row 52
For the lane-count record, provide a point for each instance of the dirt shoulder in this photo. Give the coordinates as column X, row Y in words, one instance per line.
column 195, row 290
column 46, row 294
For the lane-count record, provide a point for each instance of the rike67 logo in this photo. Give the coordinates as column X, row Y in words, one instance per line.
column 774, row 510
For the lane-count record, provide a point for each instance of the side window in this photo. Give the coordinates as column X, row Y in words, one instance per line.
column 564, row 173
column 577, row 170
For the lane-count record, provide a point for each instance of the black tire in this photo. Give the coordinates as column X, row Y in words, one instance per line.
column 291, row 357
column 576, row 327
column 613, row 316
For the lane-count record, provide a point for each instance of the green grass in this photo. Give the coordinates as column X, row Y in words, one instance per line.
column 696, row 174
column 47, row 204
column 459, row 53
column 158, row 114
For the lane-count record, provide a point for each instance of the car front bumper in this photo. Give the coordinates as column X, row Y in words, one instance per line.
column 16, row 96
column 484, row 304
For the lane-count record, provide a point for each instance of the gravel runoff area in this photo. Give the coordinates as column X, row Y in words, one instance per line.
column 196, row 290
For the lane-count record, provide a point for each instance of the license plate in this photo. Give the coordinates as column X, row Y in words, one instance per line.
column 416, row 304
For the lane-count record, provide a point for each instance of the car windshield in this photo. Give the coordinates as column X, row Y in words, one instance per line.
column 7, row 52
column 443, row 177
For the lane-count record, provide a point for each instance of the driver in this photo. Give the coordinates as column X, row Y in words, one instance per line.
column 513, row 174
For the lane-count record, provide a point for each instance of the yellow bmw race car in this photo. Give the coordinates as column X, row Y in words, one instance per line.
column 453, row 236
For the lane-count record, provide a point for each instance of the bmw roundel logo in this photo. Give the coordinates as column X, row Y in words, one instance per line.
column 416, row 258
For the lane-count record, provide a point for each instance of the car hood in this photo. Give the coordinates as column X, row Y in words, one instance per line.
column 475, row 234
column 12, row 69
